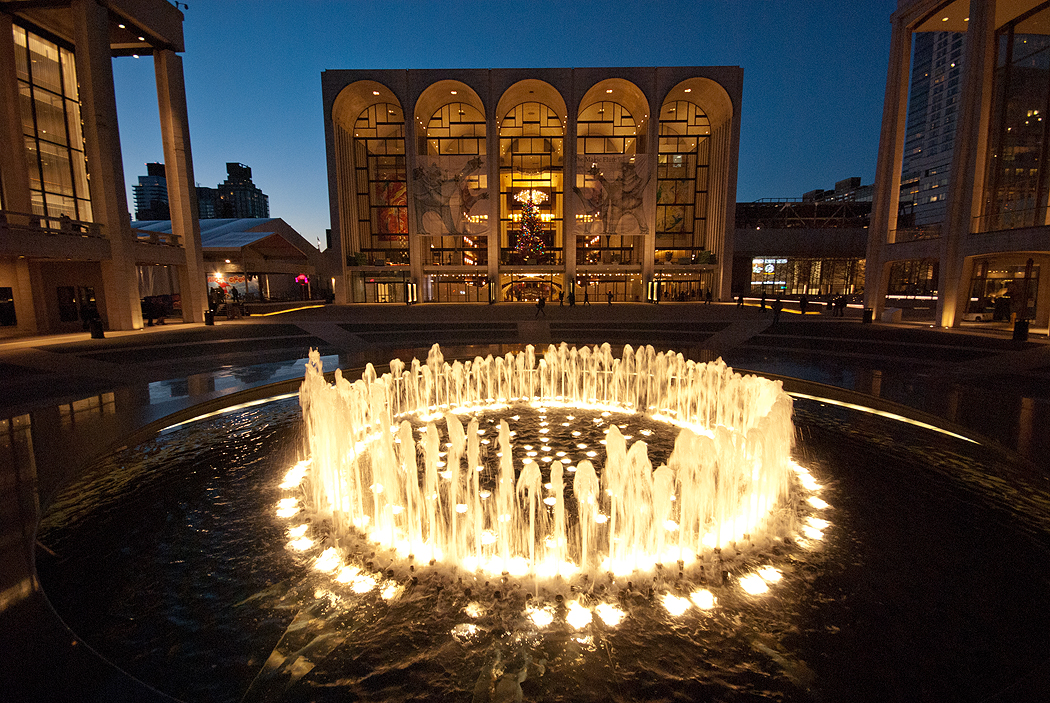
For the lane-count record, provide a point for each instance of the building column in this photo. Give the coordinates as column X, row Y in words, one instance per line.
column 418, row 255
column 728, row 143
column 109, row 202
column 888, row 169
column 12, row 144
column 652, row 157
column 492, row 169
column 182, row 192
column 15, row 181
column 569, row 204
column 968, row 160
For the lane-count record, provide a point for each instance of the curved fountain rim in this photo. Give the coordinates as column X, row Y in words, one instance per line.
column 271, row 392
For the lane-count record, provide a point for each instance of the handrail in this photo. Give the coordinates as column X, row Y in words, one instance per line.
column 160, row 238
column 63, row 224
column 1012, row 219
column 912, row 234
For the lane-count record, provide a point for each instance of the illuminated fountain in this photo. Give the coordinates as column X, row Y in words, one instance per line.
column 460, row 499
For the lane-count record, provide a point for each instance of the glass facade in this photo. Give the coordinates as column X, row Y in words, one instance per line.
column 682, row 181
column 51, row 127
column 806, row 276
column 381, row 185
column 611, row 219
column 531, row 158
column 937, row 60
column 453, row 186
column 1002, row 290
column 1016, row 185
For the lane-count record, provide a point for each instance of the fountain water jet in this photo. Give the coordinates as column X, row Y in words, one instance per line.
column 726, row 481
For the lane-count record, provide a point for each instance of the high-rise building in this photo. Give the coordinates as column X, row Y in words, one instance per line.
column 238, row 197
column 151, row 194
column 937, row 60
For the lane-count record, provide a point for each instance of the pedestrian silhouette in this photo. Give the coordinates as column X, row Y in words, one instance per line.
column 540, row 304
column 776, row 307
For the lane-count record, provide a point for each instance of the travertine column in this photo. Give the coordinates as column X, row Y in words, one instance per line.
column 968, row 160
column 569, row 200
column 12, row 144
column 652, row 156
column 15, row 181
column 492, row 121
column 109, row 202
column 182, row 192
column 888, row 169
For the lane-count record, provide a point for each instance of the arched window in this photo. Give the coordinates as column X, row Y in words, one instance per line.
column 681, row 186
column 451, row 189
column 606, row 128
column 381, row 185
column 456, row 128
column 610, row 185
column 531, row 160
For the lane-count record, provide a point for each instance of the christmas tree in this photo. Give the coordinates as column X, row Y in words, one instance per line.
column 530, row 241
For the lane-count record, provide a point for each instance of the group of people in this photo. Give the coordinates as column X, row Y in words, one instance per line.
column 541, row 302
column 217, row 297
column 836, row 306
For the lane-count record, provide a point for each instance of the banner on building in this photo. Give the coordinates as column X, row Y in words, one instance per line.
column 451, row 195
column 612, row 194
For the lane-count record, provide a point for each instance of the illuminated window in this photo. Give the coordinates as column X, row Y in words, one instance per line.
column 531, row 158
column 681, row 187
column 382, row 195
column 51, row 127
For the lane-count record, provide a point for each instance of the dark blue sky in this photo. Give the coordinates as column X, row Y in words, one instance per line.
column 814, row 76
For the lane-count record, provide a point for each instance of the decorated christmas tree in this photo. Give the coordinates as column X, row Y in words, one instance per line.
column 530, row 241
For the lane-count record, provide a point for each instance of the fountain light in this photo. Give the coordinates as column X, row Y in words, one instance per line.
column 329, row 561
column 287, row 507
column 301, row 544
column 578, row 616
column 703, row 599
column 675, row 605
column 541, row 617
column 610, row 614
column 753, row 584
column 817, row 503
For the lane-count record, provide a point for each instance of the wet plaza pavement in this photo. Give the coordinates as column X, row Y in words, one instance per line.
column 65, row 400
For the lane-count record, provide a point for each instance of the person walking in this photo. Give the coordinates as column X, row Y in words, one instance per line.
column 561, row 297
column 776, row 307
column 540, row 304
column 763, row 300
column 803, row 303
column 609, row 295
column 586, row 296
column 708, row 297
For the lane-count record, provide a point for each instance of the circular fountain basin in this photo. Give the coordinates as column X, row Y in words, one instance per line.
column 927, row 580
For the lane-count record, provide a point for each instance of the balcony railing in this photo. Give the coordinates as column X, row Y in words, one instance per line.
column 378, row 257
column 1012, row 219
column 513, row 257
column 912, row 234
column 23, row 222
column 159, row 238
